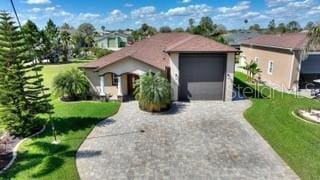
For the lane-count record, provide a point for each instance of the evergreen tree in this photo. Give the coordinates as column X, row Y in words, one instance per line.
column 52, row 41
column 22, row 95
column 272, row 26
column 293, row 26
column 282, row 28
column 32, row 37
column 65, row 39
column 165, row 29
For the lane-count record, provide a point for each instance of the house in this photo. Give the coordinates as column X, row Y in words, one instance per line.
column 235, row 39
column 198, row 68
column 112, row 41
column 282, row 59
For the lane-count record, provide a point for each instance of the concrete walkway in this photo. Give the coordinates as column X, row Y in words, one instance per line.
column 198, row 140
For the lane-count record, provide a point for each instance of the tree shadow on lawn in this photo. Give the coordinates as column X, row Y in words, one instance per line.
column 41, row 157
column 49, row 158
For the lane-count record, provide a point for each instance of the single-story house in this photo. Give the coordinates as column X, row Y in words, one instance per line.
column 198, row 68
column 282, row 59
column 112, row 41
column 235, row 39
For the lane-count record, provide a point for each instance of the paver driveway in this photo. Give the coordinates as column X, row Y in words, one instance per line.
column 198, row 140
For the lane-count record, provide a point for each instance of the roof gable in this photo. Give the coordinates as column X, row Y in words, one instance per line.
column 154, row 50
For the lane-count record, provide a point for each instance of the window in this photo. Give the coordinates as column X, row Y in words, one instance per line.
column 270, row 67
column 114, row 80
column 122, row 44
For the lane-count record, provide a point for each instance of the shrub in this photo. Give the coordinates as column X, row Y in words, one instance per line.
column 153, row 92
column 71, row 85
column 99, row 52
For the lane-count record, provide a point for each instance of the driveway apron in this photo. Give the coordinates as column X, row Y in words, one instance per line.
column 196, row 140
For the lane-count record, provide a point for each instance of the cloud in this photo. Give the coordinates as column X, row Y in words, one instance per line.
column 128, row 5
column 116, row 16
column 88, row 15
column 62, row 13
column 189, row 10
column 35, row 10
column 186, row 1
column 300, row 4
column 38, row 1
column 143, row 12
column 50, row 9
column 314, row 11
column 240, row 7
column 272, row 3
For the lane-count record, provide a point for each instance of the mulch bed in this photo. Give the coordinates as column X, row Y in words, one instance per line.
column 7, row 144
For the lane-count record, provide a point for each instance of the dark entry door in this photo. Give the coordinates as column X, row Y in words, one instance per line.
column 131, row 78
column 201, row 76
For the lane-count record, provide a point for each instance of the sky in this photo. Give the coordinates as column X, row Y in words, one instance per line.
column 116, row 14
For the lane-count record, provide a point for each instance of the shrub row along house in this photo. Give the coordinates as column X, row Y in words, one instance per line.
column 282, row 59
column 197, row 67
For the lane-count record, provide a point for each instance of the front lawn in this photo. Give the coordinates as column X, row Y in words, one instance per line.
column 296, row 141
column 38, row 158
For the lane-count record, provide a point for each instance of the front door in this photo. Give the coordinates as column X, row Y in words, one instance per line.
column 131, row 79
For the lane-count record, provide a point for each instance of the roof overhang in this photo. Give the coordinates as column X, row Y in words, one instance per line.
column 222, row 52
column 275, row 47
column 98, row 68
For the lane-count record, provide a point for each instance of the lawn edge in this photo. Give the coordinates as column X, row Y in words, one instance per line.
column 16, row 149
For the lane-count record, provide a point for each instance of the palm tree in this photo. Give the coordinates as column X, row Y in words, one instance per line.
column 65, row 39
column 252, row 69
column 314, row 38
column 71, row 85
column 153, row 92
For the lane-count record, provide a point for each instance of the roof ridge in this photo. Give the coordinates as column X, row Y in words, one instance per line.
column 174, row 45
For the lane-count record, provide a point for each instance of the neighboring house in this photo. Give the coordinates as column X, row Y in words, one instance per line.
column 112, row 41
column 198, row 68
column 235, row 39
column 282, row 59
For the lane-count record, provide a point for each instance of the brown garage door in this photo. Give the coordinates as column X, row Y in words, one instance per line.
column 201, row 76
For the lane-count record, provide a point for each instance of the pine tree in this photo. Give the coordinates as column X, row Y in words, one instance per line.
column 22, row 95
column 52, row 43
column 32, row 37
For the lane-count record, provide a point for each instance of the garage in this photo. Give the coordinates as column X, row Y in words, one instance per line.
column 310, row 71
column 202, row 76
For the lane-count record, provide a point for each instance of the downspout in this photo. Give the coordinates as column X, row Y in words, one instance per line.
column 291, row 69
column 298, row 75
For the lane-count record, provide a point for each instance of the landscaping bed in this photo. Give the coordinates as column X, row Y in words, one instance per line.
column 312, row 115
column 37, row 157
column 7, row 145
column 296, row 141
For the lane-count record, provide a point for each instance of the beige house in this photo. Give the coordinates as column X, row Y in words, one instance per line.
column 281, row 59
column 198, row 68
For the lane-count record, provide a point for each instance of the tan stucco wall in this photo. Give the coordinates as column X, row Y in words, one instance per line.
column 109, row 89
column 121, row 68
column 284, row 62
column 94, row 80
column 174, row 74
column 229, row 76
column 174, row 65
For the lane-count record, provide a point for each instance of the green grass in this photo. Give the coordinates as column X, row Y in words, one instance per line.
column 38, row 158
column 296, row 141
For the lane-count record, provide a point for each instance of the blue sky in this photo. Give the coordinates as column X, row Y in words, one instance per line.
column 116, row 14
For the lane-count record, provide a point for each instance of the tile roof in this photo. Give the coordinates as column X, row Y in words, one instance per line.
column 294, row 41
column 154, row 50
